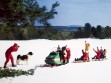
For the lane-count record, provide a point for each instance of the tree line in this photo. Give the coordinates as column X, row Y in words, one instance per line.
column 89, row 31
column 18, row 17
column 30, row 32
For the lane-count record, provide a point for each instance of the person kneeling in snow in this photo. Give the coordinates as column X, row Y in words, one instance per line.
column 8, row 55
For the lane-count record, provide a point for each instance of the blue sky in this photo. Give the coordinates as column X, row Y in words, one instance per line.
column 79, row 12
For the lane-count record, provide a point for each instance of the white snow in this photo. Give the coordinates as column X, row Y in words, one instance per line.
column 88, row 72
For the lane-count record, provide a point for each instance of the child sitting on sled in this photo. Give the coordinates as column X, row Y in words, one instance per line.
column 83, row 58
column 103, row 53
column 98, row 54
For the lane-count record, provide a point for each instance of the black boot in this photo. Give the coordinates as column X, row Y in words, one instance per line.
column 93, row 57
column 5, row 67
column 63, row 62
column 75, row 59
column 14, row 66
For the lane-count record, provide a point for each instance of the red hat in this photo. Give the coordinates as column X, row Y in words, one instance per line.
column 15, row 44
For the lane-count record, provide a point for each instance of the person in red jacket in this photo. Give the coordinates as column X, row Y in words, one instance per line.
column 68, row 54
column 98, row 52
column 85, row 56
column 8, row 55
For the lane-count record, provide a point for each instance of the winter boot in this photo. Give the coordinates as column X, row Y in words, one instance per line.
column 75, row 59
column 14, row 66
column 63, row 62
column 68, row 61
column 93, row 57
column 5, row 67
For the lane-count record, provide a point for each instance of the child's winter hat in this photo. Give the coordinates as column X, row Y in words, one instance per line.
column 15, row 44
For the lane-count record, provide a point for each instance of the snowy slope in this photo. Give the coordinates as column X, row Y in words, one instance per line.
column 89, row 72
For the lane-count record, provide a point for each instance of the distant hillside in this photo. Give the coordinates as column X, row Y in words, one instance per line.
column 64, row 28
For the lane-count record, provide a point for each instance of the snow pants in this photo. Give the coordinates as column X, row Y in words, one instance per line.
column 9, row 57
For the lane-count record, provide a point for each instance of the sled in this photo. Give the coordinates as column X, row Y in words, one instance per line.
column 79, row 60
column 101, row 59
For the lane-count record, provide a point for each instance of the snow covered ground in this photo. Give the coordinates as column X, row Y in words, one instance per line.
column 88, row 72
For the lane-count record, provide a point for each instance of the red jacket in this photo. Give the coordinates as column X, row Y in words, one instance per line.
column 98, row 56
column 8, row 54
column 68, row 53
column 13, row 48
column 84, row 56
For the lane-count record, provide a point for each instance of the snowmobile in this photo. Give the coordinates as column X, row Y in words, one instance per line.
column 54, row 58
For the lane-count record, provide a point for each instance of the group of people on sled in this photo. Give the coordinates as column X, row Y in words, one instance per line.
column 100, row 54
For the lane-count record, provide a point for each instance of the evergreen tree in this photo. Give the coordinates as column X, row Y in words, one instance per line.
column 47, row 15
column 93, row 32
column 99, row 31
column 87, row 30
column 14, row 73
column 107, row 32
column 24, row 12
